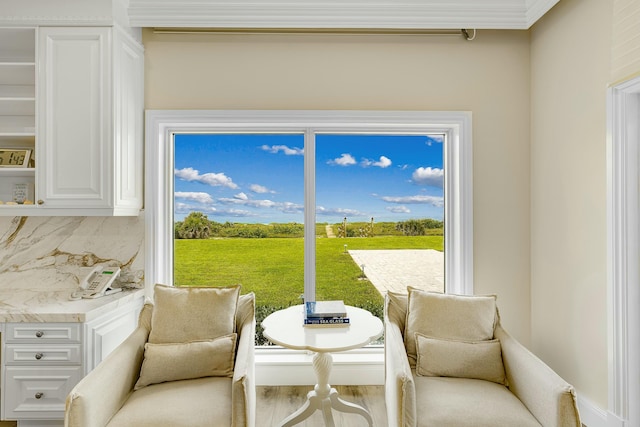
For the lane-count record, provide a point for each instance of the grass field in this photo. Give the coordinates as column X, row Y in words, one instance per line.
column 274, row 268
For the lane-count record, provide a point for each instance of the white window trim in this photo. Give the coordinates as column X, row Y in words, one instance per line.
column 161, row 125
column 623, row 252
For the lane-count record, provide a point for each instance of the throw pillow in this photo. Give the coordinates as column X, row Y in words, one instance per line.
column 173, row 362
column 188, row 314
column 480, row 360
column 458, row 317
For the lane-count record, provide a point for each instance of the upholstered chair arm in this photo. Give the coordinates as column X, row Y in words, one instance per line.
column 400, row 394
column 243, row 388
column 99, row 395
column 547, row 396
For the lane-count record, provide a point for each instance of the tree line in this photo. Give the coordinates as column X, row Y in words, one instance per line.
column 197, row 225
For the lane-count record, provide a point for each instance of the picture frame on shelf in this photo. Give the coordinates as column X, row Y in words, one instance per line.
column 23, row 193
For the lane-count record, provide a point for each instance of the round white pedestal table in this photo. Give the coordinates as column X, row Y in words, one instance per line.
column 285, row 328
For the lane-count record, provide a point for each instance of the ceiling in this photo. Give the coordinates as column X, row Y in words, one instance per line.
column 404, row 15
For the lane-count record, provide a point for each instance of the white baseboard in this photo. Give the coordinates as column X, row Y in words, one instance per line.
column 593, row 416
column 277, row 366
column 615, row 421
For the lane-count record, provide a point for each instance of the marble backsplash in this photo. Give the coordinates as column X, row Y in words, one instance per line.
column 57, row 252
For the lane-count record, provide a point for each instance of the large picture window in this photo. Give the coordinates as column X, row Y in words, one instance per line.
column 309, row 205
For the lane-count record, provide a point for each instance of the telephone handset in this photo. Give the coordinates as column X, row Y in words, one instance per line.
column 97, row 283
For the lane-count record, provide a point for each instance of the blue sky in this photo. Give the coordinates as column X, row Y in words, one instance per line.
column 259, row 178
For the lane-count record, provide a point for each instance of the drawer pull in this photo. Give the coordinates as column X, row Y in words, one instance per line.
column 39, row 356
column 39, row 334
column 39, row 395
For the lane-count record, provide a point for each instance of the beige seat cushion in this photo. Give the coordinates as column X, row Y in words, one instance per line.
column 461, row 402
column 188, row 403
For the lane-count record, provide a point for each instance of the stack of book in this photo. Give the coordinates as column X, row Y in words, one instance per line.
column 325, row 313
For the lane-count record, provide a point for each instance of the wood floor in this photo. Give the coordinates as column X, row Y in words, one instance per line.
column 276, row 403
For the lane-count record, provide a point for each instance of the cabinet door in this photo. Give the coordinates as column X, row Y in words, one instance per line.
column 74, row 133
column 128, row 89
column 38, row 393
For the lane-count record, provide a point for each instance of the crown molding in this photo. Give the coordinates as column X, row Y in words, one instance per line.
column 66, row 20
column 338, row 14
column 64, row 13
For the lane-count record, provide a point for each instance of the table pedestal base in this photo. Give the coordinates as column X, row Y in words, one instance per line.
column 324, row 397
column 315, row 402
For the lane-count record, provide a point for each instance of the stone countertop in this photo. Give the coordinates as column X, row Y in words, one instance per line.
column 43, row 259
column 33, row 304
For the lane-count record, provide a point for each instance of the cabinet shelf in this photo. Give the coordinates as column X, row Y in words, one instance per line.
column 21, row 210
column 18, row 92
column 17, row 172
column 17, row 44
column 21, row 126
column 18, row 106
column 17, row 109
column 17, row 73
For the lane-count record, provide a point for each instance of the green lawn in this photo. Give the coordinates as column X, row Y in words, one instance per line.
column 273, row 268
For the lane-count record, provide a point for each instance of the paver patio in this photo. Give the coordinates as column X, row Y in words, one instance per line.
column 395, row 269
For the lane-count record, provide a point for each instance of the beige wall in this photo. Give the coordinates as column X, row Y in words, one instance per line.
column 489, row 76
column 570, row 58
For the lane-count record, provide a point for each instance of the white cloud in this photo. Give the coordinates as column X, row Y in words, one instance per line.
column 433, row 177
column 289, row 207
column 247, row 202
column 212, row 179
column 436, row 201
column 260, row 189
column 275, row 149
column 437, row 139
column 344, row 160
column 238, row 213
column 194, row 196
column 320, row 210
column 384, row 162
column 243, row 200
column 186, row 208
column 398, row 209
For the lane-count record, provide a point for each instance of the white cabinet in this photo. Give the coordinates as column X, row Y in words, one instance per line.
column 42, row 362
column 83, row 114
column 74, row 132
column 90, row 120
column 17, row 106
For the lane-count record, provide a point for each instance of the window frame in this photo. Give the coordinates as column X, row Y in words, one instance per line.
column 161, row 125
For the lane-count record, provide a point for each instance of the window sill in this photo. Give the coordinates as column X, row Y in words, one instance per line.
column 281, row 366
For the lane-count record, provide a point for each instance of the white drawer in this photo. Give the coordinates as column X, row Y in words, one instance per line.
column 38, row 393
column 43, row 332
column 43, row 354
